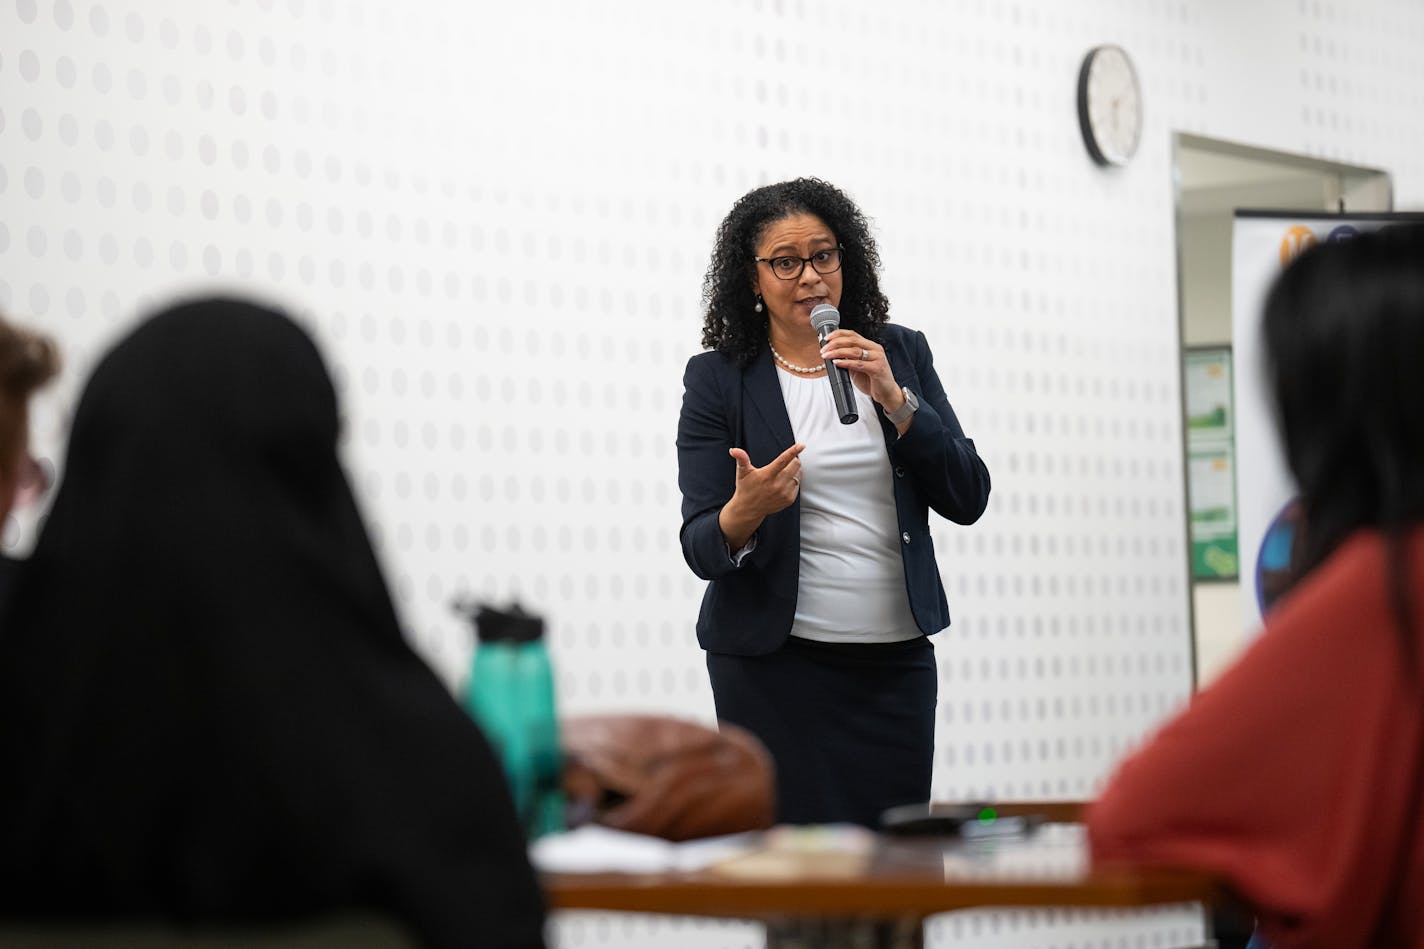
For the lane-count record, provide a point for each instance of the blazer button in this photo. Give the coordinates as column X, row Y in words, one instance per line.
column 905, row 537
column 899, row 471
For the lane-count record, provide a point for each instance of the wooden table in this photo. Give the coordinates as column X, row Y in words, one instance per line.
column 891, row 883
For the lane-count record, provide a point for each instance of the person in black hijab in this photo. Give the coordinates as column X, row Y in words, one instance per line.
column 208, row 713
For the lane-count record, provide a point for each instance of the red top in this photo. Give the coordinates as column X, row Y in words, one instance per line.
column 1296, row 775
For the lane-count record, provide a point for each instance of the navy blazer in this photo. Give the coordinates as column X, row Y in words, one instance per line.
column 748, row 609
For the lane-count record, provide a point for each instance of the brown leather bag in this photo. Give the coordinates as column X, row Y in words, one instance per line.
column 668, row 777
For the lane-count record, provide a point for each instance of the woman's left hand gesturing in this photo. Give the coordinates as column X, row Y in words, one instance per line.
column 869, row 369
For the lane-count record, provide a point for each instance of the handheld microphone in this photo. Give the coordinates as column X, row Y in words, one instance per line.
column 827, row 319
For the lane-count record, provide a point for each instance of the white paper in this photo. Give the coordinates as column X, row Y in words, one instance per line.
column 595, row 849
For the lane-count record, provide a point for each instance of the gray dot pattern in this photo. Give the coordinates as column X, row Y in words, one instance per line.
column 502, row 260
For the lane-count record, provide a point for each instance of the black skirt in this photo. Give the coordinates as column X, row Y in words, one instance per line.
column 850, row 726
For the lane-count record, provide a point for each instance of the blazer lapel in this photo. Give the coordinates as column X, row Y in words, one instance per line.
column 761, row 388
column 900, row 366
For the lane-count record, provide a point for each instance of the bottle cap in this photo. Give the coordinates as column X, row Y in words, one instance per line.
column 512, row 625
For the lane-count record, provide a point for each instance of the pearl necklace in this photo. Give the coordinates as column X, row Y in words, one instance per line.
column 792, row 366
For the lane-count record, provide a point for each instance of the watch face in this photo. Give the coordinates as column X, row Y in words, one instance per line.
column 1109, row 105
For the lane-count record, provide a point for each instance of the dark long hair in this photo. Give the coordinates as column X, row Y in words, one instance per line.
column 27, row 361
column 732, row 325
column 1344, row 335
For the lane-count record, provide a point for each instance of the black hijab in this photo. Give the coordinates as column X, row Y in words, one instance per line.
column 207, row 710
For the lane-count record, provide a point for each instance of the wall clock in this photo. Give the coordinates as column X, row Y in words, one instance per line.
column 1109, row 105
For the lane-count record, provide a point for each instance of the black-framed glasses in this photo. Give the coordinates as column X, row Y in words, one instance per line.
column 790, row 267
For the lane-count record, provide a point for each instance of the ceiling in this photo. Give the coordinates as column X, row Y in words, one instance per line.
column 1219, row 177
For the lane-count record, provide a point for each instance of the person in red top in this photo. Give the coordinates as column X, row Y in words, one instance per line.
column 1298, row 776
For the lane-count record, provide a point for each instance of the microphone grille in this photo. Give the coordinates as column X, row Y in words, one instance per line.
column 825, row 315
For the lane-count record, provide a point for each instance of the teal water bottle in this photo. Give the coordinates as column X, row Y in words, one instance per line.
column 511, row 695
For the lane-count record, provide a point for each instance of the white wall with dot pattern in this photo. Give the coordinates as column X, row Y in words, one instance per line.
column 495, row 217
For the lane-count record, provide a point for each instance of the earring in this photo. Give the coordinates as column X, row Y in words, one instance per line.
column 759, row 307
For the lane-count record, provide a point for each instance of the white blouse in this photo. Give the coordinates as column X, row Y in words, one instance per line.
column 852, row 585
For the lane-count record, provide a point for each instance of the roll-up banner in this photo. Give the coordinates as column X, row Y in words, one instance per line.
column 1263, row 244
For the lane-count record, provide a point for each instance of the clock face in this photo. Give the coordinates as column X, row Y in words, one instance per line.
column 1109, row 105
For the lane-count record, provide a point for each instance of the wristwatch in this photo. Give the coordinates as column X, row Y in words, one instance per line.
column 904, row 411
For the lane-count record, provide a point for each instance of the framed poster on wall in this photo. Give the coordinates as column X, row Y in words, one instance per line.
column 1211, row 465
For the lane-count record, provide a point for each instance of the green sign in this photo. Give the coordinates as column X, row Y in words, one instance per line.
column 1211, row 463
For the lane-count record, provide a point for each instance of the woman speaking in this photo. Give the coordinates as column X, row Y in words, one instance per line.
column 814, row 532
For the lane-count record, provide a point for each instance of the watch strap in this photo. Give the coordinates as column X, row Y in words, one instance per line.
column 905, row 410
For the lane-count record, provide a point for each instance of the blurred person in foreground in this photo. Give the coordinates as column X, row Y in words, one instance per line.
column 814, row 535
column 1298, row 777
column 208, row 714
column 27, row 361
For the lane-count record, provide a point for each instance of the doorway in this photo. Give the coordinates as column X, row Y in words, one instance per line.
column 1213, row 179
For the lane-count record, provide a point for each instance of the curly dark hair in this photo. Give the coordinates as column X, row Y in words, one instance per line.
column 731, row 325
